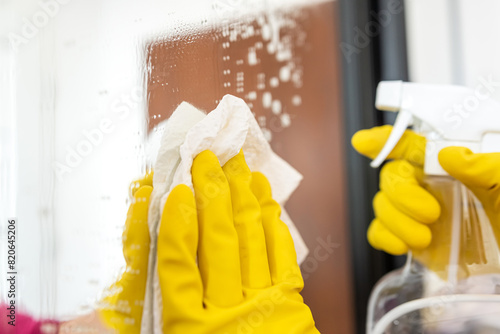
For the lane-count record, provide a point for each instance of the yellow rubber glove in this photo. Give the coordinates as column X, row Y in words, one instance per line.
column 121, row 309
column 480, row 172
column 226, row 262
column 403, row 201
column 403, row 208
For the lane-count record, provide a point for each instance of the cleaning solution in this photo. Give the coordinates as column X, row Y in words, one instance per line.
column 452, row 286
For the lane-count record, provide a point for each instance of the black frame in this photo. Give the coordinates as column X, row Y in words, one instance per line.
column 365, row 62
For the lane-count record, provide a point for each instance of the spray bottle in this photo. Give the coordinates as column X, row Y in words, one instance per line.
column 453, row 286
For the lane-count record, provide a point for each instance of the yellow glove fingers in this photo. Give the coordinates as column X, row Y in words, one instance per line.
column 137, row 184
column 383, row 239
column 280, row 248
column 136, row 233
column 472, row 169
column 218, row 254
column 370, row 142
column 122, row 308
column 414, row 234
column 180, row 281
column 248, row 223
column 399, row 184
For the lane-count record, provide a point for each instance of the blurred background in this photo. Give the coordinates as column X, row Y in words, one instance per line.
column 85, row 84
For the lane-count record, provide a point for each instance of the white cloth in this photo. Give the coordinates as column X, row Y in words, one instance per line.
column 224, row 131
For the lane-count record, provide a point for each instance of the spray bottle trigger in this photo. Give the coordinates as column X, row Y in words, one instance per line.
column 404, row 119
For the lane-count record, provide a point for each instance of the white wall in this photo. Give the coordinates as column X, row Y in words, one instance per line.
column 454, row 41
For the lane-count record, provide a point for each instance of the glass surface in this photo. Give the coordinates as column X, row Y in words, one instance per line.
column 83, row 86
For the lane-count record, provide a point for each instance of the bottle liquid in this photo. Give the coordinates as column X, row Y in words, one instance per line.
column 452, row 286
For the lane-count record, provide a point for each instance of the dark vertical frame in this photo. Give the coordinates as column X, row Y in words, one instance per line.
column 381, row 56
column 393, row 62
column 391, row 49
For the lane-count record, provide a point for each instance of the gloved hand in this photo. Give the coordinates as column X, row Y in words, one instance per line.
column 121, row 309
column 403, row 208
column 480, row 172
column 226, row 262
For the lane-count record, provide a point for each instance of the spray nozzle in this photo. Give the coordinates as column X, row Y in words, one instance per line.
column 389, row 95
column 447, row 115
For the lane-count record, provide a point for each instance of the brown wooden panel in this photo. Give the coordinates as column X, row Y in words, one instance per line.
column 236, row 58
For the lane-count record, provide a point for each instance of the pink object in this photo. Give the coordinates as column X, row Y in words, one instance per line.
column 24, row 324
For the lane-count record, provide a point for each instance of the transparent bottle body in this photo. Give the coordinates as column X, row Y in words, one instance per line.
column 453, row 286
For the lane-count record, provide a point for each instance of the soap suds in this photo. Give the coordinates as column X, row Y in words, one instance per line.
column 267, row 99
column 270, row 39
